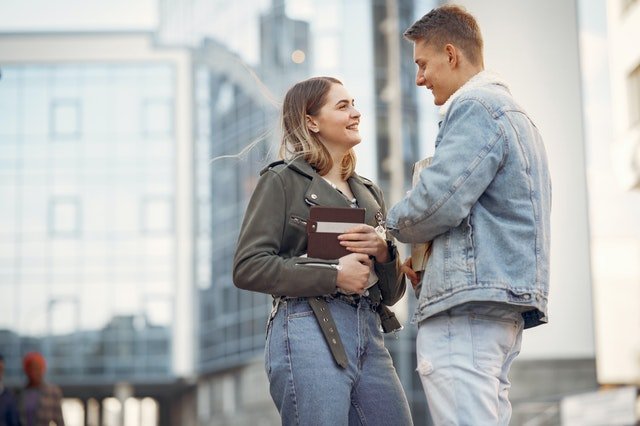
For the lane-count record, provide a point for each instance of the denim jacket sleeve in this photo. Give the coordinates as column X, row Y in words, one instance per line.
column 262, row 263
column 470, row 152
column 391, row 280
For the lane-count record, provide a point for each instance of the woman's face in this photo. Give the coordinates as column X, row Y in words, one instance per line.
column 337, row 121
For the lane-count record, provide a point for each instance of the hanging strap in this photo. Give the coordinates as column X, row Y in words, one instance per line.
column 320, row 308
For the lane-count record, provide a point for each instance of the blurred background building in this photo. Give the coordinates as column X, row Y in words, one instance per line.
column 124, row 191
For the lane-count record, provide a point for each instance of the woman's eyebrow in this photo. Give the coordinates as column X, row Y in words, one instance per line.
column 347, row 101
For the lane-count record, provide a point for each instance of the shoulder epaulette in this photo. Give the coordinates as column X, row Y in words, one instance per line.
column 271, row 166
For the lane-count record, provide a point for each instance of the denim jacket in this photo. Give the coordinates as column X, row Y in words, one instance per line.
column 485, row 203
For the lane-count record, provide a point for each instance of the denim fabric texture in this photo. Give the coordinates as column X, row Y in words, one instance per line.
column 464, row 356
column 485, row 204
column 307, row 386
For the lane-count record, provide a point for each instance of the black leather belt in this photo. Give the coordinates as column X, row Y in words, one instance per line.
column 352, row 299
column 320, row 308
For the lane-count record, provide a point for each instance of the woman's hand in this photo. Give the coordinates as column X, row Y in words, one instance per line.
column 413, row 276
column 353, row 273
column 364, row 239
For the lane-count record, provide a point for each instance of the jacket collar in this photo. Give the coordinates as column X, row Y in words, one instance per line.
column 321, row 193
column 483, row 78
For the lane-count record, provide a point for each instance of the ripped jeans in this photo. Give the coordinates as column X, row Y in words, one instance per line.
column 464, row 356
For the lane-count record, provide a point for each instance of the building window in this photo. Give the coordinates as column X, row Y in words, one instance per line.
column 64, row 217
column 157, row 118
column 156, row 215
column 633, row 82
column 65, row 119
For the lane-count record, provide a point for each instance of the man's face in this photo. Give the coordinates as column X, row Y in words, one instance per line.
column 435, row 70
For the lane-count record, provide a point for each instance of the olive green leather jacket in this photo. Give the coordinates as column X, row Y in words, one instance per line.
column 273, row 235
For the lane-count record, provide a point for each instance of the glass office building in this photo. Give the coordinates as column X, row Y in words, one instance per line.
column 88, row 238
column 90, row 231
column 231, row 116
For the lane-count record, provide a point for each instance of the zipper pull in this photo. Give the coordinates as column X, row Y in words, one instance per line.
column 380, row 229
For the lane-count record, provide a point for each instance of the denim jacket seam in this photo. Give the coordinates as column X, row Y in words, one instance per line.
column 459, row 181
column 489, row 285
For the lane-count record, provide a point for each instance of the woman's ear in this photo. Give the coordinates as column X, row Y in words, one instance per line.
column 311, row 124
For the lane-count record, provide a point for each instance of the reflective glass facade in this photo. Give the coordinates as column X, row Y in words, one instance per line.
column 230, row 116
column 87, row 227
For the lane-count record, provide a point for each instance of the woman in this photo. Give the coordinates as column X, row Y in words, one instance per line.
column 325, row 356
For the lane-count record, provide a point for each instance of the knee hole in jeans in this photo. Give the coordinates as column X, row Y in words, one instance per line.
column 425, row 367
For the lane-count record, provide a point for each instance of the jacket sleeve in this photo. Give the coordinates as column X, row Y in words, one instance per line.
column 390, row 280
column 470, row 153
column 258, row 264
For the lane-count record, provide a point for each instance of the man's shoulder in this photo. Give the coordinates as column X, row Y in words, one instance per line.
column 51, row 389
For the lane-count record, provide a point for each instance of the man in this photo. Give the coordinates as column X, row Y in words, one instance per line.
column 40, row 402
column 484, row 203
column 8, row 407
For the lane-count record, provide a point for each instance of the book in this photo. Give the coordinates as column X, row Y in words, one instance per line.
column 420, row 252
column 324, row 226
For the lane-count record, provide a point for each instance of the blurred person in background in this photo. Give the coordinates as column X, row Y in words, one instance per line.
column 8, row 405
column 40, row 403
column 484, row 203
column 325, row 356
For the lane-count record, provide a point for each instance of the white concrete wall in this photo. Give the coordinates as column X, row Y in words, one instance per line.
column 616, row 209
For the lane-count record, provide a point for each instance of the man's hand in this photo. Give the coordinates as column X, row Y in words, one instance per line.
column 413, row 276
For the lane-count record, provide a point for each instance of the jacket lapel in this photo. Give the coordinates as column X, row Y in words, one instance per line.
column 321, row 193
column 365, row 198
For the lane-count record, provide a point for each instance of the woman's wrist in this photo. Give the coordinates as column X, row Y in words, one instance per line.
column 386, row 254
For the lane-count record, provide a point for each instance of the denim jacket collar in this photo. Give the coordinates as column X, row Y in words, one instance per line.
column 483, row 78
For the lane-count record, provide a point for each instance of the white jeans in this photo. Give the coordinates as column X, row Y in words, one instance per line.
column 464, row 357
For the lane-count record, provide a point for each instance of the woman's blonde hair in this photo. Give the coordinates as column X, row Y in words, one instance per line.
column 308, row 97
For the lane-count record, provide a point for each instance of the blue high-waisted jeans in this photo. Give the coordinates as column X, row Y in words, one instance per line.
column 308, row 387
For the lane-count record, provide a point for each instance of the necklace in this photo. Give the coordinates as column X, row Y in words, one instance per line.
column 352, row 201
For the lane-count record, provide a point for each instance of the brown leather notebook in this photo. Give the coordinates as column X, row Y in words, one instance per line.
column 324, row 226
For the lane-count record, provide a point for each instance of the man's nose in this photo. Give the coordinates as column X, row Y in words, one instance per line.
column 419, row 79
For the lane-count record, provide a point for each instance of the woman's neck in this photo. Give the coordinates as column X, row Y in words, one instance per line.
column 335, row 173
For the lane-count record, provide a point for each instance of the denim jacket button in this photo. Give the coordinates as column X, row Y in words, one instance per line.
column 526, row 296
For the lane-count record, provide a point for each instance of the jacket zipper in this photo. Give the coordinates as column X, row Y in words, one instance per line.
column 298, row 220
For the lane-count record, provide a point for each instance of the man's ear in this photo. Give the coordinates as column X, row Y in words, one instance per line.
column 311, row 124
column 452, row 54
